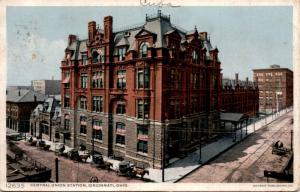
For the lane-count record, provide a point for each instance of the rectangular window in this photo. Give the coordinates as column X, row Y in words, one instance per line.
column 82, row 125
column 120, row 139
column 142, row 130
column 82, row 103
column 142, row 146
column 122, row 52
column 120, row 133
column 84, row 58
column 97, row 134
column 143, row 78
column 174, row 109
column 67, row 101
column 98, row 103
column 97, row 129
column 83, row 80
column 143, row 109
column 66, row 80
column 97, row 79
column 67, row 124
column 121, row 108
column 121, row 79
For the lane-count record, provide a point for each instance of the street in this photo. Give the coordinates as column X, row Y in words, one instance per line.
column 71, row 171
column 246, row 161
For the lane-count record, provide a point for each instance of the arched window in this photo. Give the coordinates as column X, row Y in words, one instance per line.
column 194, row 57
column 82, row 103
column 95, row 56
column 143, row 50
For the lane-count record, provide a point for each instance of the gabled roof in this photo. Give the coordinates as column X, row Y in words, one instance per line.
column 24, row 95
column 143, row 32
column 158, row 25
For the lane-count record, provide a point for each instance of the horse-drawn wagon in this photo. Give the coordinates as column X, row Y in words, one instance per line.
column 130, row 170
column 278, row 149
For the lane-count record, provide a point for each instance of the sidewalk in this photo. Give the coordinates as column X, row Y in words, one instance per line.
column 182, row 167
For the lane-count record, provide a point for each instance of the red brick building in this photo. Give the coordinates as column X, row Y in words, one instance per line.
column 19, row 105
column 134, row 88
column 239, row 96
column 275, row 88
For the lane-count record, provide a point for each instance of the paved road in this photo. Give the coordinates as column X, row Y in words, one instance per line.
column 71, row 171
column 246, row 161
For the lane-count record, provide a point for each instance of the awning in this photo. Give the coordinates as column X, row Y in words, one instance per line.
column 143, row 137
column 97, row 127
column 121, row 132
column 233, row 117
column 66, row 80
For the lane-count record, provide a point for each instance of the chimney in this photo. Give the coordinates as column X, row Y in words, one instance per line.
column 19, row 93
column 108, row 24
column 247, row 81
column 52, row 77
column 203, row 35
column 34, row 97
column 91, row 30
column 236, row 78
column 71, row 39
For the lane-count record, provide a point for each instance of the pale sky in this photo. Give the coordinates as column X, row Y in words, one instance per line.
column 247, row 37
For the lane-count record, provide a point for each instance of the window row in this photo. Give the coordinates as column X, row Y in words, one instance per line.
column 98, row 55
column 143, row 105
column 142, row 133
column 142, row 77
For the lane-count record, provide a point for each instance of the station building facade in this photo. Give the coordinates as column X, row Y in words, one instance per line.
column 141, row 93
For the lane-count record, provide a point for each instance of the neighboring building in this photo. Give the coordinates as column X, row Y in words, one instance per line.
column 134, row 88
column 17, row 87
column 45, row 119
column 239, row 96
column 19, row 105
column 47, row 87
column 275, row 86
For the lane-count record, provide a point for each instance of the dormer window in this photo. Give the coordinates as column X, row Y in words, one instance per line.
column 143, row 50
column 122, row 52
column 68, row 56
column 98, row 55
column 84, row 58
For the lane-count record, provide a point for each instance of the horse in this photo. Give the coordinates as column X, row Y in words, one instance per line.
column 84, row 157
column 108, row 165
column 105, row 165
column 141, row 171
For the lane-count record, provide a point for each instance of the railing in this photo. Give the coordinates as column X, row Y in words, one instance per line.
column 40, row 167
column 158, row 15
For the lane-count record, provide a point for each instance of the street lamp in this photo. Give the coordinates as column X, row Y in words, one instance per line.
column 200, row 142
column 93, row 135
column 277, row 102
column 163, row 153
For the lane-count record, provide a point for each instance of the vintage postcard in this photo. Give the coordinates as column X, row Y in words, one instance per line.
column 149, row 95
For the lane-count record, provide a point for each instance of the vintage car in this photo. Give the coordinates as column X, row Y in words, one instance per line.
column 100, row 163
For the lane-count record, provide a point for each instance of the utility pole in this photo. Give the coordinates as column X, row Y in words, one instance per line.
column 163, row 156
column 291, row 140
column 93, row 139
column 56, row 169
column 200, row 142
